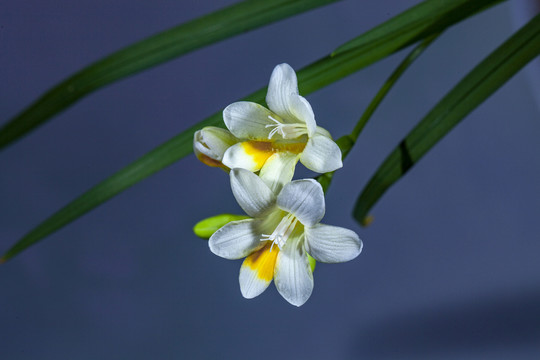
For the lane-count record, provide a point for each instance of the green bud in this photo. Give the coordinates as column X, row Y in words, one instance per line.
column 312, row 263
column 206, row 227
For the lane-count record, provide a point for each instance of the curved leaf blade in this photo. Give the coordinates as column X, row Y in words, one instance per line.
column 172, row 43
column 311, row 78
column 428, row 17
column 347, row 142
column 470, row 92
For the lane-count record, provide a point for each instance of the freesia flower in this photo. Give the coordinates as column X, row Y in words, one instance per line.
column 273, row 140
column 283, row 230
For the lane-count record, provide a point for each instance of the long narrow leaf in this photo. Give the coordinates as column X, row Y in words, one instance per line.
column 152, row 51
column 428, row 17
column 313, row 77
column 347, row 142
column 477, row 86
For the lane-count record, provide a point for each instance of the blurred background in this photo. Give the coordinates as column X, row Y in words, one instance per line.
column 450, row 267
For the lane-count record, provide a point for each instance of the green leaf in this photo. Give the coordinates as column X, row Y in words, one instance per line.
column 311, row 78
column 428, row 17
column 470, row 92
column 347, row 142
column 222, row 24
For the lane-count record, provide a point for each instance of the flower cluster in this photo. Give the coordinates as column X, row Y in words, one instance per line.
column 261, row 149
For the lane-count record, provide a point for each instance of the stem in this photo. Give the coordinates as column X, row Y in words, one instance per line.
column 347, row 142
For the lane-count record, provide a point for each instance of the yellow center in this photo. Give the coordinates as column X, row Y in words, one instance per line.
column 260, row 151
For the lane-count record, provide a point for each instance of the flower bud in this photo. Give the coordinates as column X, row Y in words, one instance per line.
column 210, row 143
column 206, row 227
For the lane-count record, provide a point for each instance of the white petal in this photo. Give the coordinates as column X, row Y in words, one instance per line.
column 249, row 155
column 257, row 271
column 322, row 131
column 279, row 170
column 248, row 120
column 304, row 199
column 332, row 244
column 292, row 275
column 282, row 85
column 252, row 194
column 321, row 154
column 236, row 240
column 301, row 110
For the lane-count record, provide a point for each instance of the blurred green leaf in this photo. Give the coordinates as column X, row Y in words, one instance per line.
column 172, row 43
column 311, row 78
column 477, row 86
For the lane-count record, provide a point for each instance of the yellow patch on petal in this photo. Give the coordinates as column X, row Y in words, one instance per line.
column 295, row 148
column 259, row 151
column 262, row 262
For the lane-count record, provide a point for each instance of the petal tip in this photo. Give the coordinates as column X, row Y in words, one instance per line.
column 246, row 294
column 283, row 67
column 296, row 300
column 212, row 243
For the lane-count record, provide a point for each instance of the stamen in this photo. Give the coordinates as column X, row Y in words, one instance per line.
column 282, row 232
column 278, row 126
column 286, row 130
column 274, row 120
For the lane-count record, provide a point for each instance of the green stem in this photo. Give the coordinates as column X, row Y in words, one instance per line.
column 347, row 142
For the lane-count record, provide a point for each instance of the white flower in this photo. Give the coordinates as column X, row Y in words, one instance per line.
column 273, row 140
column 282, row 231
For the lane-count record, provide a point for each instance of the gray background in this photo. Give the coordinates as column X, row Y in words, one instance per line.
column 450, row 266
